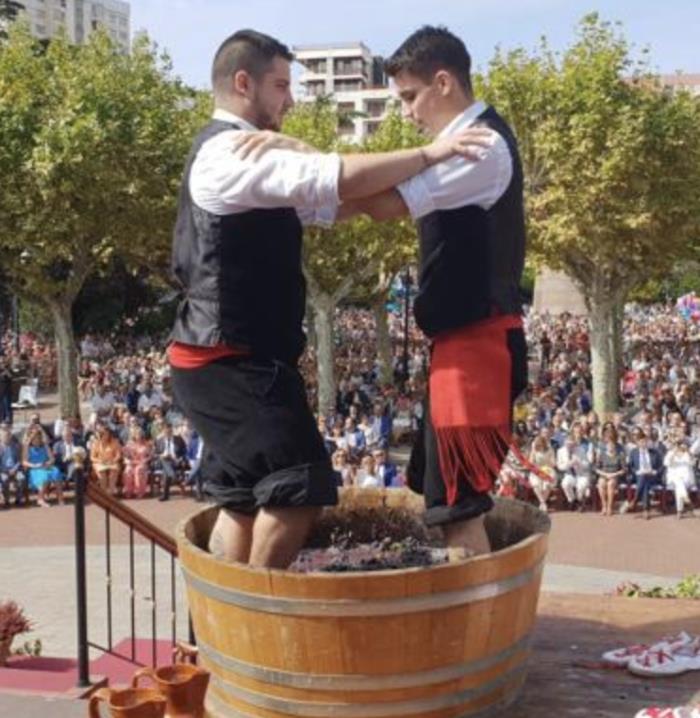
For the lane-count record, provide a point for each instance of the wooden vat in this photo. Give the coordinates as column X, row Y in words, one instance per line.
column 433, row 642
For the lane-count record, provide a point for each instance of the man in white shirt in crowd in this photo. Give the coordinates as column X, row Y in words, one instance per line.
column 102, row 403
column 238, row 332
column 150, row 398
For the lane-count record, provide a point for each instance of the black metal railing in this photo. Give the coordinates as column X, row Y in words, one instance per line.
column 138, row 526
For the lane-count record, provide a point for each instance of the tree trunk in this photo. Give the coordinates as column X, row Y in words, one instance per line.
column 311, row 325
column 67, row 358
column 324, row 308
column 619, row 337
column 384, row 352
column 604, row 355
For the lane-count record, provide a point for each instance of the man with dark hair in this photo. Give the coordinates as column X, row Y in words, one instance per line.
column 472, row 244
column 238, row 331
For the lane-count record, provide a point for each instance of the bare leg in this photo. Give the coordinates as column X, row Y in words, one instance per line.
column 612, row 490
column 467, row 538
column 602, row 492
column 232, row 536
column 279, row 534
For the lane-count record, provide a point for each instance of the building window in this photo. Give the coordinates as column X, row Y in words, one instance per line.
column 316, row 66
column 314, row 89
column 348, row 67
column 347, row 85
column 375, row 108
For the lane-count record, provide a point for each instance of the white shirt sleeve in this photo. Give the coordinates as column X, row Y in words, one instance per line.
column 223, row 184
column 458, row 182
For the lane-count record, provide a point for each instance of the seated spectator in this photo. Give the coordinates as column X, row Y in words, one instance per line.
column 367, row 475
column 65, row 452
column 149, row 399
column 645, row 466
column 38, row 462
column 680, row 474
column 195, row 452
column 102, row 403
column 355, row 439
column 387, row 471
column 610, row 466
column 542, row 477
column 575, row 487
column 11, row 470
column 171, row 457
column 106, row 458
column 380, row 428
column 340, row 464
column 131, row 399
column 6, row 377
column 138, row 455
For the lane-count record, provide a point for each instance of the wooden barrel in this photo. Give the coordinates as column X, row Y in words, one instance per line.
column 434, row 642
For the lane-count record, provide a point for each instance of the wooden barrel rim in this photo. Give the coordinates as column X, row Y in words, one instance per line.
column 185, row 543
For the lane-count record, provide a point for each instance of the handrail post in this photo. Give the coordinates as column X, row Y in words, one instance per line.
column 81, row 581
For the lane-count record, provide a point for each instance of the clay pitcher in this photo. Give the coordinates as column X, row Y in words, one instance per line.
column 182, row 685
column 128, row 703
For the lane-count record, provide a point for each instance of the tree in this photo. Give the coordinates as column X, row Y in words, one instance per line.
column 9, row 10
column 350, row 254
column 92, row 145
column 613, row 173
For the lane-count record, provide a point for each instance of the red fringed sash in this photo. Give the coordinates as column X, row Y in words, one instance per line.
column 470, row 402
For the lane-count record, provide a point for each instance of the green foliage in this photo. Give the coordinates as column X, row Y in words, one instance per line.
column 612, row 162
column 29, row 648
column 688, row 588
column 92, row 144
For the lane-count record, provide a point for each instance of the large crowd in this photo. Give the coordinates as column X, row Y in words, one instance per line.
column 137, row 443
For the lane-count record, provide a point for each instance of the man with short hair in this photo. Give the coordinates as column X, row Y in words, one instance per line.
column 472, row 245
column 11, row 473
column 238, row 332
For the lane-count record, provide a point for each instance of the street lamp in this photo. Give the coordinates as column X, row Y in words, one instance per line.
column 406, row 309
column 15, row 320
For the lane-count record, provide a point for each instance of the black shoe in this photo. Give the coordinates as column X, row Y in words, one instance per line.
column 163, row 498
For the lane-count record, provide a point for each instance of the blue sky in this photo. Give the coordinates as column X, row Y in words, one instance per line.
column 191, row 30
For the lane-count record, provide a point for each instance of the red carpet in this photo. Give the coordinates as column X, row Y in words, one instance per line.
column 59, row 676
column 119, row 670
column 24, row 674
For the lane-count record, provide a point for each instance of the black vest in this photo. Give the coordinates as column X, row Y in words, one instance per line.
column 471, row 259
column 240, row 274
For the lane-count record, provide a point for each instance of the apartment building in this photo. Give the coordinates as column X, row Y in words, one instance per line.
column 682, row 81
column 79, row 19
column 353, row 77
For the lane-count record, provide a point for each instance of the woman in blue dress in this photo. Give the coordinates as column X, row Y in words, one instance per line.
column 41, row 470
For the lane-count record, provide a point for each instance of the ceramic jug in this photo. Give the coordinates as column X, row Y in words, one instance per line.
column 183, row 686
column 128, row 703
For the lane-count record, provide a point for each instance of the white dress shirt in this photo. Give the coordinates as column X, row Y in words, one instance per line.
column 457, row 182
column 221, row 183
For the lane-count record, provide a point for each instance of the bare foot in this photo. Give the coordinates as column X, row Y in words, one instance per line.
column 470, row 536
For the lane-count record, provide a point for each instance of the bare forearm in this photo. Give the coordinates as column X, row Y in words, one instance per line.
column 366, row 175
column 380, row 207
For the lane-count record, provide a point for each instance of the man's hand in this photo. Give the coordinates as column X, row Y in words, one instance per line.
column 470, row 143
column 252, row 145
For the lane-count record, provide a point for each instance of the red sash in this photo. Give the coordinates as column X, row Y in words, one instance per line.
column 470, row 401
